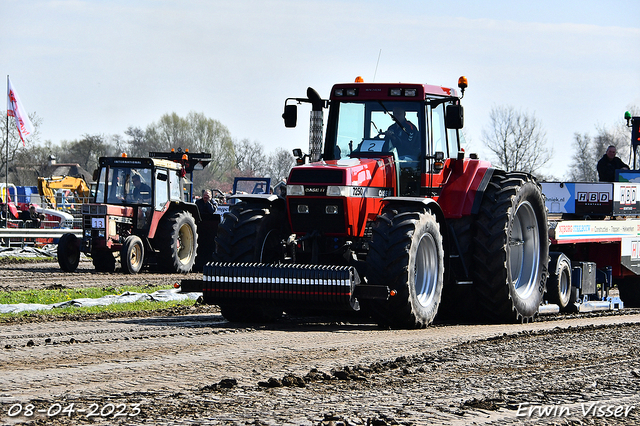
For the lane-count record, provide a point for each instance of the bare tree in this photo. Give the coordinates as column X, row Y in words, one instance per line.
column 250, row 159
column 280, row 163
column 516, row 139
column 584, row 160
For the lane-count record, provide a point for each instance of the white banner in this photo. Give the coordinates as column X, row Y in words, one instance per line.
column 17, row 111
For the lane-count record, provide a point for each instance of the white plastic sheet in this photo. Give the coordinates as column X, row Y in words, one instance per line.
column 126, row 297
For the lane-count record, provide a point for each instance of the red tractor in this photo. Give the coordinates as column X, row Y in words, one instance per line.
column 388, row 218
column 142, row 213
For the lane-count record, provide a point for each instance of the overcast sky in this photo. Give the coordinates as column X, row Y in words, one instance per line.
column 98, row 67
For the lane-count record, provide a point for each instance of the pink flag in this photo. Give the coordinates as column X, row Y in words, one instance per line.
column 16, row 110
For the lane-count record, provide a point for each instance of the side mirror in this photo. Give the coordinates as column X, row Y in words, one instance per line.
column 297, row 152
column 96, row 175
column 290, row 115
column 454, row 117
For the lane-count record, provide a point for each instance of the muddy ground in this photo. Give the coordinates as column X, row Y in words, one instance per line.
column 193, row 367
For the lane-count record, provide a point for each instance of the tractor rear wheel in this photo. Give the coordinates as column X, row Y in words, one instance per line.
column 406, row 254
column 250, row 233
column 177, row 242
column 68, row 252
column 132, row 255
column 511, row 249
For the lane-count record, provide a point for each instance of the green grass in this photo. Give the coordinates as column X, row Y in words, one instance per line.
column 47, row 297
column 5, row 260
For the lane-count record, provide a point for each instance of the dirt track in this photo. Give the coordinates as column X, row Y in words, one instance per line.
column 199, row 369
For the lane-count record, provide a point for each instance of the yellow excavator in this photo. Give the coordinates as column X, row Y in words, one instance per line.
column 64, row 191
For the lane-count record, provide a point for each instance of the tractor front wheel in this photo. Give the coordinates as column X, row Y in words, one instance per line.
column 406, row 254
column 132, row 255
column 250, row 233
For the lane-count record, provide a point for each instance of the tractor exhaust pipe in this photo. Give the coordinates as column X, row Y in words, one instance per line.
column 316, row 125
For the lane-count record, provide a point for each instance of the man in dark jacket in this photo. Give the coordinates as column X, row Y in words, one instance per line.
column 608, row 165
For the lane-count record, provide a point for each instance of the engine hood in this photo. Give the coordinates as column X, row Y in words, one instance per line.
column 350, row 172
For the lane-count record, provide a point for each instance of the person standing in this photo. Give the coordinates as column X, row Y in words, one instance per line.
column 206, row 205
column 608, row 165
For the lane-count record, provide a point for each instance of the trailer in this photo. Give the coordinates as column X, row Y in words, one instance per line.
column 594, row 237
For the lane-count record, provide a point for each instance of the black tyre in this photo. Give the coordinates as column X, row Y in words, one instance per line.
column 132, row 255
column 511, row 249
column 250, row 233
column 559, row 282
column 629, row 288
column 177, row 242
column 406, row 254
column 103, row 261
column 68, row 252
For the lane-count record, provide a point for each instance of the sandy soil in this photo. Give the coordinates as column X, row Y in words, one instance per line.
column 193, row 367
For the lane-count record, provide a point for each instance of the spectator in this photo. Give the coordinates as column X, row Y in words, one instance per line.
column 35, row 218
column 205, row 204
column 608, row 165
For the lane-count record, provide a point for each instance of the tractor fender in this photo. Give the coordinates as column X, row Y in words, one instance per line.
column 171, row 207
column 462, row 194
column 477, row 201
column 420, row 202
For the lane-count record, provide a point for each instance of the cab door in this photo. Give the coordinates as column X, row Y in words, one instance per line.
column 442, row 147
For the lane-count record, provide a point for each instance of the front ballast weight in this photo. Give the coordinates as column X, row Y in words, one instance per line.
column 291, row 284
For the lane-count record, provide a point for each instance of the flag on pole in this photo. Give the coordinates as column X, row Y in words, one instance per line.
column 17, row 111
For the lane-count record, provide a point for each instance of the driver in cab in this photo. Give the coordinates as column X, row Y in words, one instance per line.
column 403, row 135
column 141, row 191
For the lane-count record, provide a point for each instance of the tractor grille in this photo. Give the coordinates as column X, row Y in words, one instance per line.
column 317, row 216
column 316, row 175
column 304, row 283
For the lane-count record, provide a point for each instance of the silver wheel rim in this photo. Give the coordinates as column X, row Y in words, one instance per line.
column 563, row 284
column 426, row 270
column 136, row 255
column 524, row 250
column 185, row 241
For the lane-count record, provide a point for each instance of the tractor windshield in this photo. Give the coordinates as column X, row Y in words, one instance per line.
column 124, row 185
column 374, row 126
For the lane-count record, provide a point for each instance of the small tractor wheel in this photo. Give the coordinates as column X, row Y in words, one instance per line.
column 132, row 255
column 178, row 242
column 559, row 282
column 103, row 261
column 511, row 249
column 406, row 254
column 250, row 233
column 68, row 252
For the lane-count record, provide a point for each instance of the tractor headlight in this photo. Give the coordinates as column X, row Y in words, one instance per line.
column 331, row 209
column 303, row 208
column 295, row 189
column 337, row 191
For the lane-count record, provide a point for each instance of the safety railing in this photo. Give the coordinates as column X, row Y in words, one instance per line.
column 24, row 236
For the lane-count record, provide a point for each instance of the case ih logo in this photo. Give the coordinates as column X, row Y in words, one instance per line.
column 628, row 195
column 593, row 197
